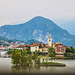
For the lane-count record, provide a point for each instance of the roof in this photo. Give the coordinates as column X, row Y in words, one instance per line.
column 47, row 46
column 36, row 43
column 58, row 43
column 22, row 46
column 33, row 45
column 53, row 43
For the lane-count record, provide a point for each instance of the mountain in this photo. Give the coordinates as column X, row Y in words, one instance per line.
column 32, row 41
column 69, row 25
column 3, row 40
column 38, row 28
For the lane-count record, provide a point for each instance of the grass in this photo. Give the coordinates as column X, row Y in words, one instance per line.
column 42, row 56
column 52, row 63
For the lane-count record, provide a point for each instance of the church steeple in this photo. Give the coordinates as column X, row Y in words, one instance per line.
column 49, row 35
column 50, row 40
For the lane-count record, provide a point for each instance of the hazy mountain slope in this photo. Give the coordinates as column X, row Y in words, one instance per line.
column 32, row 41
column 37, row 28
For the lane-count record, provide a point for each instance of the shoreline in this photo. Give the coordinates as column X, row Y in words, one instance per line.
column 61, row 65
column 63, row 58
column 52, row 58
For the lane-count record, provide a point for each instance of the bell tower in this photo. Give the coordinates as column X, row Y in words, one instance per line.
column 50, row 40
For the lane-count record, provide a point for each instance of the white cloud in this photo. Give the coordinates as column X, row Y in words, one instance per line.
column 26, row 9
column 20, row 11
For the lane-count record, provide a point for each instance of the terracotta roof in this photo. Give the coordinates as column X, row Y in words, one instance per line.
column 46, row 46
column 58, row 43
column 33, row 45
column 53, row 43
column 36, row 43
column 27, row 46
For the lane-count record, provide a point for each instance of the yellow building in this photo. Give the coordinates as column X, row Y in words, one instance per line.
column 53, row 45
column 34, row 48
column 40, row 50
column 45, row 48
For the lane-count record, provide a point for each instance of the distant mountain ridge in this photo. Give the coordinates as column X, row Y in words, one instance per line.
column 38, row 28
column 3, row 39
column 32, row 41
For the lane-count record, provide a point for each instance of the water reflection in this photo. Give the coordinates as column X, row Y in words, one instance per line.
column 37, row 70
column 7, row 67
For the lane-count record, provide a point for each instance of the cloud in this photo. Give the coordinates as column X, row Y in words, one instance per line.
column 21, row 11
column 26, row 9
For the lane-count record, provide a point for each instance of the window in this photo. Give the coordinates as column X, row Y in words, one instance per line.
column 58, row 49
column 35, row 47
column 49, row 40
column 35, row 50
column 62, row 49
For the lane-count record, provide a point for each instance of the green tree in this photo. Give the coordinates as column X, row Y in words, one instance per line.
column 51, row 51
column 72, row 50
column 29, row 59
column 38, row 60
column 68, row 50
column 9, row 52
column 24, row 57
column 28, row 51
column 23, row 60
column 16, row 57
column 34, row 56
column 24, row 53
column 43, row 60
column 40, row 46
column 46, row 60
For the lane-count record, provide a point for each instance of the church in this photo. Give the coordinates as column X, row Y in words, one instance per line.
column 59, row 47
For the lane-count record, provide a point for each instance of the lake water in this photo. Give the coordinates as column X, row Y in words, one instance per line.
column 6, row 67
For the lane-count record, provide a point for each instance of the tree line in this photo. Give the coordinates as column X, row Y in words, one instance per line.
column 24, row 57
column 70, row 51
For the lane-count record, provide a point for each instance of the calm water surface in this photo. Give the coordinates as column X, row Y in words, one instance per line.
column 7, row 67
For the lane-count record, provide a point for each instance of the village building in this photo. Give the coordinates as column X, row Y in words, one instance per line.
column 60, row 49
column 23, row 47
column 43, row 48
column 32, row 48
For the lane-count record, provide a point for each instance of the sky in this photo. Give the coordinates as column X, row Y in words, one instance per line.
column 62, row 12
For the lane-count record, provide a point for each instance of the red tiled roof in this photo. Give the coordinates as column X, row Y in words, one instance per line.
column 36, row 43
column 27, row 46
column 47, row 46
column 53, row 43
column 58, row 43
column 33, row 45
